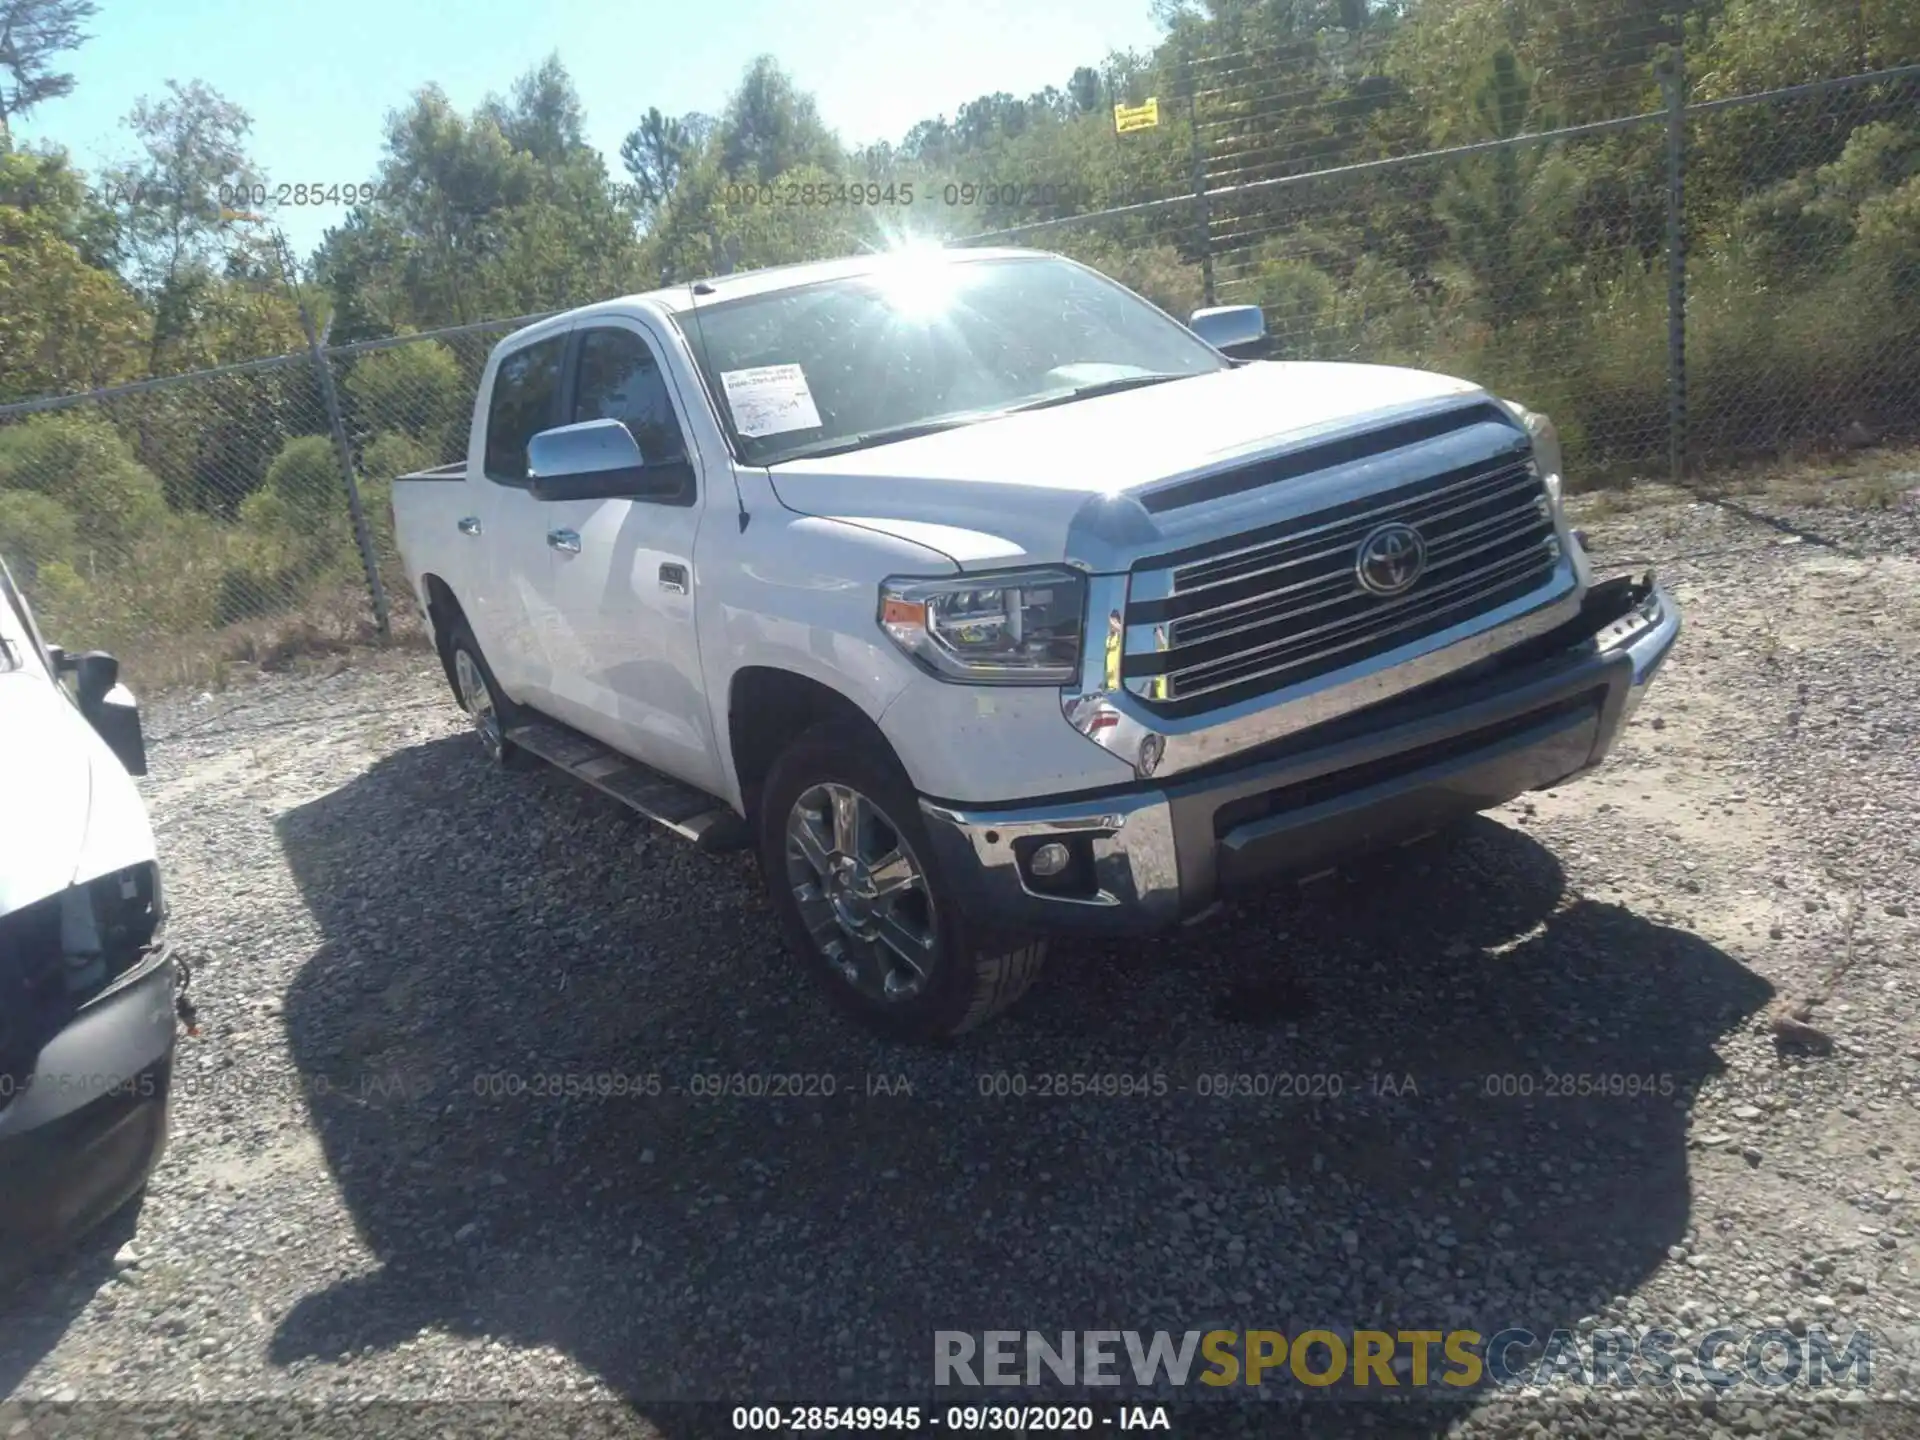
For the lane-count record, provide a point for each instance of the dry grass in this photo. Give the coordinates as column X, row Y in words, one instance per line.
column 1878, row 478
column 331, row 629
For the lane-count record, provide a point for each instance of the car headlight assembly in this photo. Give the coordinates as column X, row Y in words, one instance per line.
column 1017, row 627
column 107, row 922
column 1546, row 447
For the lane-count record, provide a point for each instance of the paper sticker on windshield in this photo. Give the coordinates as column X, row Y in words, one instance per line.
column 770, row 400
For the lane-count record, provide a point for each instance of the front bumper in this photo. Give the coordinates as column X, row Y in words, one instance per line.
column 1150, row 855
column 83, row 1132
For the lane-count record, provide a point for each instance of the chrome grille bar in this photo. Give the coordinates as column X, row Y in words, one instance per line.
column 1219, row 569
column 1290, row 608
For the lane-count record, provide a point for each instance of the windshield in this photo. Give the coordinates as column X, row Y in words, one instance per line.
column 923, row 343
column 18, row 638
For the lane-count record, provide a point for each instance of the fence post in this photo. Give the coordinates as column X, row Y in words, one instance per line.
column 1202, row 211
column 361, row 535
column 1673, row 85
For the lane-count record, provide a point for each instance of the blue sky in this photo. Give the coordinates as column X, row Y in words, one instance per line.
column 319, row 88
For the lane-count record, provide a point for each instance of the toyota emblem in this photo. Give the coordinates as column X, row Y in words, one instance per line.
column 1390, row 560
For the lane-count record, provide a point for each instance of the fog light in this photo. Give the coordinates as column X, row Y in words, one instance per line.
column 1049, row 860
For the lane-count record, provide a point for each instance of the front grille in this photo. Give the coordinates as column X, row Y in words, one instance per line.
column 1290, row 608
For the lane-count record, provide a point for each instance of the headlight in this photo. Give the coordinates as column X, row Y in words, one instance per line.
column 1019, row 627
column 1546, row 446
column 106, row 922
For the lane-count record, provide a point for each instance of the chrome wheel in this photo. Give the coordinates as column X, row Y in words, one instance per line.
column 478, row 699
column 861, row 891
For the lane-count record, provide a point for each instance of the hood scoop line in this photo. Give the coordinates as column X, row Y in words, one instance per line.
column 1322, row 455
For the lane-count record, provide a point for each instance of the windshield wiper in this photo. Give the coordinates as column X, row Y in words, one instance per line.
column 1098, row 387
column 885, row 436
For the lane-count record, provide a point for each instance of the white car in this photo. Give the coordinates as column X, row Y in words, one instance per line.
column 87, row 986
column 987, row 601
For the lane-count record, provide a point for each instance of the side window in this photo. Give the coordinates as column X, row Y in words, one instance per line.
column 526, row 392
column 620, row 380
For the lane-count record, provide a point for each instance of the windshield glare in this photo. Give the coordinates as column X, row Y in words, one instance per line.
column 921, row 342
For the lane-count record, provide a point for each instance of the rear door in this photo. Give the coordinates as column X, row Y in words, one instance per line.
column 625, row 662
column 507, row 527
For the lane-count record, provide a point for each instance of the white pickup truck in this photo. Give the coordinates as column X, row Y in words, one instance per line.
column 987, row 601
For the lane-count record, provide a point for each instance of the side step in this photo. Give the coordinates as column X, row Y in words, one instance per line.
column 691, row 814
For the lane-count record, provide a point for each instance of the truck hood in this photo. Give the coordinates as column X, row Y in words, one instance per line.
column 1008, row 490
column 71, row 810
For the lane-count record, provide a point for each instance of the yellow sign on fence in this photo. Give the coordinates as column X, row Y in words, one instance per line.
column 1136, row 117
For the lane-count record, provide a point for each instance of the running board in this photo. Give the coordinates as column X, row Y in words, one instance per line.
column 691, row 814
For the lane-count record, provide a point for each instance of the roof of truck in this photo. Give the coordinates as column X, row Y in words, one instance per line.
column 787, row 277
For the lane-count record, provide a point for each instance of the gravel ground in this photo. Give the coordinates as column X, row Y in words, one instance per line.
column 389, row 938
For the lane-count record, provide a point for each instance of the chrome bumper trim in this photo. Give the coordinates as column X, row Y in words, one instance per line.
column 1101, row 707
column 1649, row 643
column 1137, row 862
column 1133, row 853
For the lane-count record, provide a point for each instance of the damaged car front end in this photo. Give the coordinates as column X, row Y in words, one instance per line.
column 88, row 1000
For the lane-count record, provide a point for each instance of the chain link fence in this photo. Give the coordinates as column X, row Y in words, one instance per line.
column 202, row 519
column 1682, row 288
column 1680, row 285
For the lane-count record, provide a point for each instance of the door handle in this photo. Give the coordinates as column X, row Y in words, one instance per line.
column 567, row 542
column 469, row 524
column 673, row 578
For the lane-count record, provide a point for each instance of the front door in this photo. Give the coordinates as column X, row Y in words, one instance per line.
column 509, row 613
column 625, row 660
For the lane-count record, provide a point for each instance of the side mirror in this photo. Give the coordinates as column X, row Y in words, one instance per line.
column 600, row 460
column 1237, row 330
column 94, row 674
column 109, row 707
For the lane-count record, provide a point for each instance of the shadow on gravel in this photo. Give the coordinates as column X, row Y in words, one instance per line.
column 69, row 1278
column 497, row 949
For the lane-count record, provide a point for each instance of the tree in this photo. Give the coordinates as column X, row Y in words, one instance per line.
column 175, row 230
column 543, row 118
column 499, row 213
column 654, row 153
column 32, row 32
column 67, row 320
column 769, row 128
column 1503, row 210
column 81, row 462
column 1084, row 90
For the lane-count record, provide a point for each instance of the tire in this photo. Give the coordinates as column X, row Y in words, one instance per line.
column 854, row 933
column 480, row 695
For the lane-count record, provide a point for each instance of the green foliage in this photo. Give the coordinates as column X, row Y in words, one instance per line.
column 1297, row 298
column 656, row 151
column 305, row 475
column 502, row 213
column 83, row 463
column 1803, row 225
column 1751, row 45
column 770, row 128
column 35, row 531
column 175, row 234
column 1156, row 271
column 1505, row 211
column 392, row 455
column 417, row 388
column 67, row 321
column 1887, row 244
column 32, row 34
column 294, row 530
column 387, row 457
